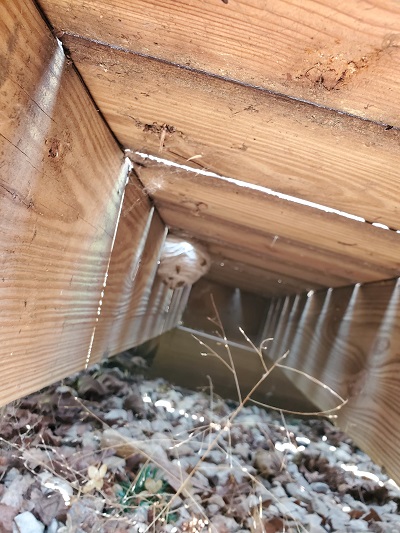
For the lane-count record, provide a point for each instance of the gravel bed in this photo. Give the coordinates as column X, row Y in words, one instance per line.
column 110, row 451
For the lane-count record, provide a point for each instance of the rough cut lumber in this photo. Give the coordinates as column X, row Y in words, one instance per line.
column 68, row 278
column 344, row 247
column 258, row 247
column 62, row 178
column 176, row 307
column 241, row 132
column 253, row 279
column 343, row 55
column 239, row 268
column 349, row 339
column 125, row 263
column 162, row 312
column 134, row 273
column 136, row 306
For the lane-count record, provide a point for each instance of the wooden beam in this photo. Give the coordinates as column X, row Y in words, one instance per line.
column 129, row 243
column 340, row 55
column 62, row 178
column 253, row 279
column 258, row 247
column 62, row 181
column 250, row 272
column 238, row 131
column 133, row 268
column 348, row 339
column 341, row 247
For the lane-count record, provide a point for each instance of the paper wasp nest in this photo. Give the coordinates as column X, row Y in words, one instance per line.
column 182, row 262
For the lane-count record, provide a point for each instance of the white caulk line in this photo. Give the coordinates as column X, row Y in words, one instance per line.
column 125, row 169
column 379, row 225
column 259, row 188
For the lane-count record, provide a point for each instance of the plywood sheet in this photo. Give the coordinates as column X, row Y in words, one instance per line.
column 343, row 55
column 342, row 247
column 62, row 177
column 349, row 339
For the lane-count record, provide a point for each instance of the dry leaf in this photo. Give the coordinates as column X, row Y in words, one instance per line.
column 49, row 507
column 96, row 478
column 7, row 514
column 153, row 485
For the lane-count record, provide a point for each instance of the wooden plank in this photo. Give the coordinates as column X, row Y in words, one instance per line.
column 354, row 249
column 287, row 259
column 62, row 178
column 283, row 255
column 253, row 279
column 124, row 317
column 153, row 320
column 253, row 267
column 341, row 55
column 349, row 339
column 310, row 153
column 250, row 271
column 178, row 353
column 163, row 311
column 176, row 307
column 126, row 258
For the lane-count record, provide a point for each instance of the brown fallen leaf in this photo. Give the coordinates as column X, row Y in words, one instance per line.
column 50, row 507
column 274, row 525
column 7, row 515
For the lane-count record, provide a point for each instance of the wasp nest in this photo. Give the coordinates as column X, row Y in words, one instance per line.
column 182, row 262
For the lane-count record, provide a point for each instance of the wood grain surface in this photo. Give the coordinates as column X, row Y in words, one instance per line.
column 349, row 339
column 135, row 277
column 341, row 247
column 241, row 132
column 259, row 248
column 343, row 55
column 126, row 261
column 62, row 177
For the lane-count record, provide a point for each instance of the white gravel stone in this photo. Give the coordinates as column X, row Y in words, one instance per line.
column 14, row 494
column 298, row 492
column 53, row 526
column 278, row 491
column 319, row 487
column 343, row 456
column 290, row 509
column 115, row 415
column 356, row 526
column 339, row 519
column 217, row 500
column 159, row 425
column 27, row 523
column 224, row 524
